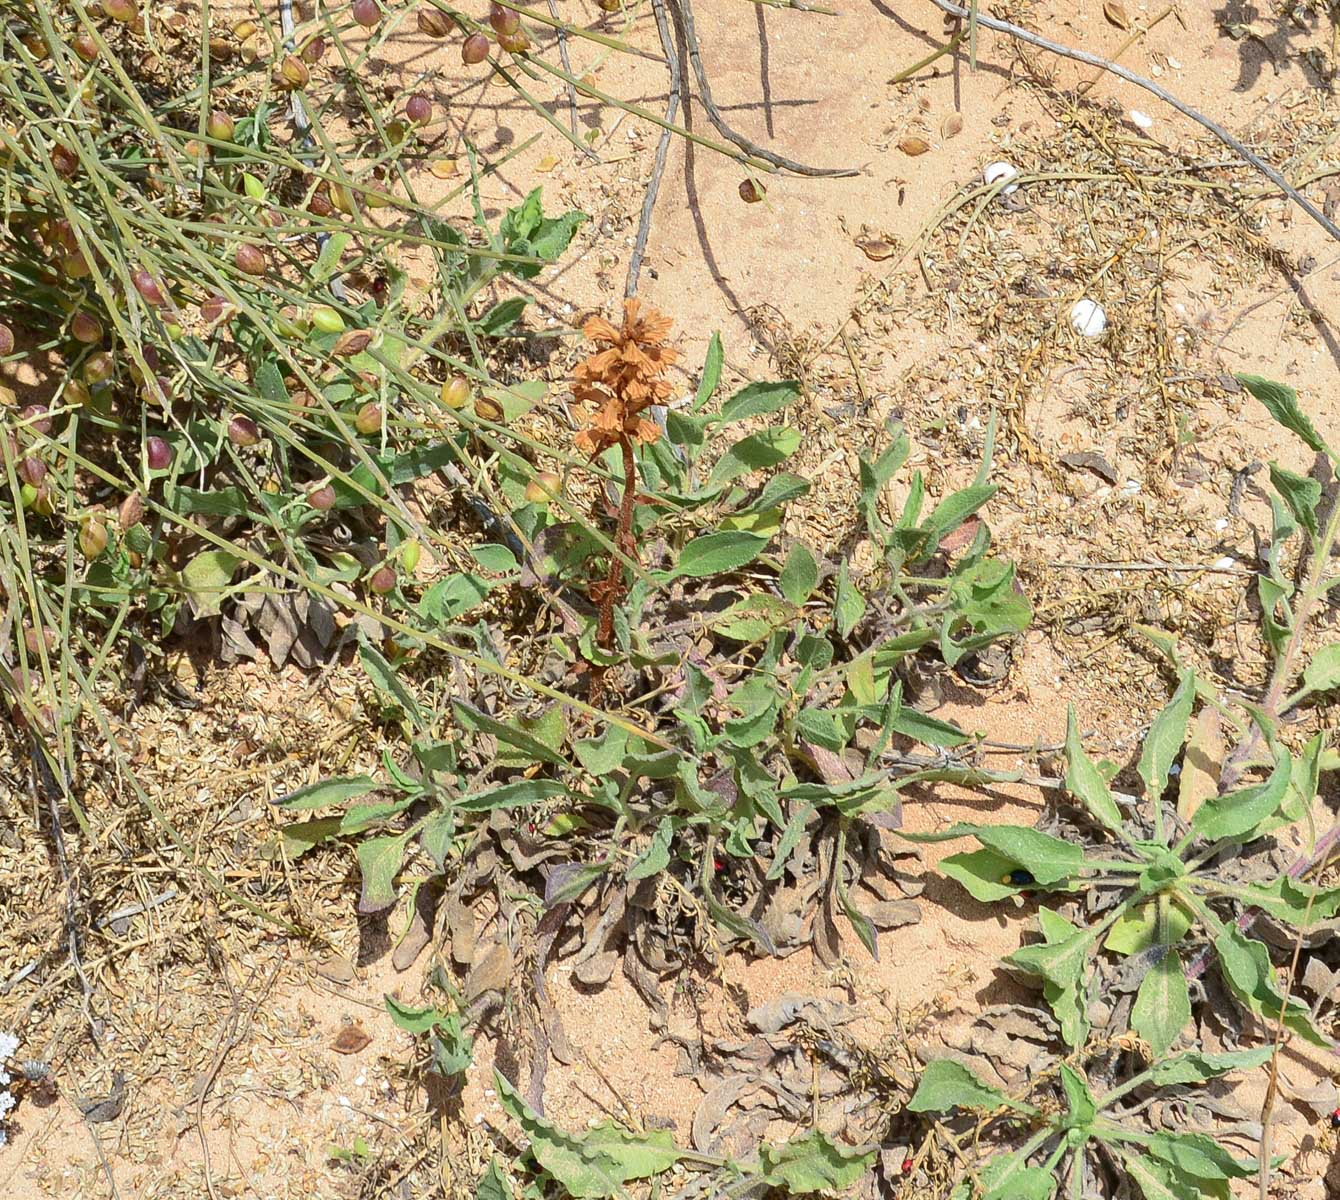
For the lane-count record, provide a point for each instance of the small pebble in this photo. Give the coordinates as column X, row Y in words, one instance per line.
column 998, row 171
column 1088, row 318
column 1141, row 120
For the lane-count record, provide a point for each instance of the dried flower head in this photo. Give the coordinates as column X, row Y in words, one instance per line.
column 626, row 378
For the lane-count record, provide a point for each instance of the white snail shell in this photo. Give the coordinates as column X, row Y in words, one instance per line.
column 998, row 171
column 1088, row 318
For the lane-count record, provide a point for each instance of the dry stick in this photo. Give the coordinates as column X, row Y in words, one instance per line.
column 1126, row 45
column 685, row 10
column 567, row 65
column 662, row 151
column 1092, row 60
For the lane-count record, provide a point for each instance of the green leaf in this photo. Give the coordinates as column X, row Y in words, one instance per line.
column 981, row 872
column 328, row 261
column 800, row 574
column 436, row 836
column 1029, row 1183
column 1237, row 814
column 711, row 376
column 300, row 836
column 813, row 1163
column 1323, row 671
column 1085, row 782
column 758, row 400
column 656, row 857
column 1060, row 962
column 502, row 316
column 717, row 554
column 511, row 795
column 1048, row 859
column 1196, row 1067
column 214, row 502
column 595, row 1164
column 849, row 604
column 930, row 731
column 477, row 721
column 946, row 1085
column 494, row 1184
column 951, row 512
column 1246, row 967
column 392, row 692
column 1163, row 1005
column 1199, row 1156
column 207, row 575
column 757, row 452
column 1281, row 402
column 414, row 1020
column 453, row 596
column 873, row 477
column 493, row 557
column 1137, row 929
column 1153, row 1180
column 379, row 860
column 1079, row 1099
column 270, row 382
column 754, row 618
column 1165, row 738
column 327, row 791
column 1300, row 493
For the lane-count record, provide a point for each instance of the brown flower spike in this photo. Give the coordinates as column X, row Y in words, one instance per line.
column 620, row 382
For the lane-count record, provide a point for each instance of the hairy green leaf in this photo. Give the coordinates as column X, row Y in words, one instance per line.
column 1281, row 402
column 1163, row 1005
column 813, row 1163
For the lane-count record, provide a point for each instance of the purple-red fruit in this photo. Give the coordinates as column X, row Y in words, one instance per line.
column 475, row 49
column 157, row 453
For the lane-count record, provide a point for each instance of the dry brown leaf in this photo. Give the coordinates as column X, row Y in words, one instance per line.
column 547, row 163
column 913, row 144
column 351, row 1039
column 1114, row 12
column 951, row 125
column 1201, row 764
column 876, row 250
column 443, row 168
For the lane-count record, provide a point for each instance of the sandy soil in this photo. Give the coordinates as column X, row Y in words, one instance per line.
column 779, row 280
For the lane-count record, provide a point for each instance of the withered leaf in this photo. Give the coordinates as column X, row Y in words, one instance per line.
column 877, row 250
column 951, row 125
column 1091, row 460
column 913, row 144
column 351, row 1039
column 1116, row 14
column 1201, row 764
column 490, row 973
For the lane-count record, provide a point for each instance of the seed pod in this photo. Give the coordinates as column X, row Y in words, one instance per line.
column 156, row 391
column 64, row 160
column 369, row 418
column 158, row 453
column 6, row 341
column 243, row 30
column 290, row 323
column 92, row 537
column 243, row 431
column 32, row 470
column 86, row 328
column 250, row 259
column 149, row 288
column 475, row 49
column 326, row 319
column 354, row 341
column 320, row 205
column 314, row 51
column 99, row 368
column 217, row 308
column 322, row 498
column 220, row 126
column 291, row 74
column 195, row 148
column 44, row 499
column 37, row 417
column 456, row 392
column 341, row 198
column 131, row 512
column 514, row 43
column 75, row 266
column 123, row 11
column 366, row 12
column 489, row 409
column 84, row 44
column 503, row 20
column 433, row 22
column 419, row 109
column 544, row 487
column 751, row 191
column 76, row 393
column 376, row 195
column 382, row 580
column 409, row 555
